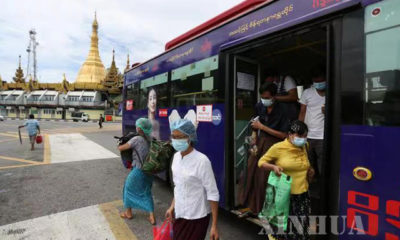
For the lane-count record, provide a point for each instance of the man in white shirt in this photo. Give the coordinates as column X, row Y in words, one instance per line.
column 287, row 93
column 195, row 192
column 311, row 112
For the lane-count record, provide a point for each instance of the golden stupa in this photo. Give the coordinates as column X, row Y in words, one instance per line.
column 92, row 70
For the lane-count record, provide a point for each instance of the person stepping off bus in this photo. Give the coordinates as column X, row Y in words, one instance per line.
column 312, row 113
column 195, row 191
column 138, row 185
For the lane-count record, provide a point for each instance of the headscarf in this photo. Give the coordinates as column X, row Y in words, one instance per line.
column 186, row 127
column 145, row 125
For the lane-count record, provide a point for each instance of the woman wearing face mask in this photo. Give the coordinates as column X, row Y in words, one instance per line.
column 195, row 191
column 137, row 188
column 270, row 128
column 290, row 157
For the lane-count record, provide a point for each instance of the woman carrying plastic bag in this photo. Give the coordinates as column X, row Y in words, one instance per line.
column 290, row 157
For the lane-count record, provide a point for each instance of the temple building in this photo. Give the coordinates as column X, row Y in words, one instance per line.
column 96, row 90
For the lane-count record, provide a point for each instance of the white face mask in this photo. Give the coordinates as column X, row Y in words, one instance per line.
column 267, row 102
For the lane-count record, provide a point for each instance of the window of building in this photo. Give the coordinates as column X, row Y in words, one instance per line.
column 48, row 98
column 73, row 98
column 48, row 111
column 154, row 92
column 197, row 83
column 87, row 99
column 35, row 97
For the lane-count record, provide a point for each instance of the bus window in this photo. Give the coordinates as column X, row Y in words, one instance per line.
column 196, row 84
column 382, row 84
column 154, row 91
column 132, row 93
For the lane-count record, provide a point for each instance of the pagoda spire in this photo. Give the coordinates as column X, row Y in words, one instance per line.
column 19, row 73
column 92, row 70
column 127, row 64
column 111, row 80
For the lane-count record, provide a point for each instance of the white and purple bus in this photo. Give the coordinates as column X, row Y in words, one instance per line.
column 212, row 73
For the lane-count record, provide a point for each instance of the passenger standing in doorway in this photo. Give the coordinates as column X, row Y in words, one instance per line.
column 270, row 128
column 138, row 185
column 32, row 126
column 101, row 120
column 290, row 157
column 312, row 113
column 195, row 192
column 287, row 94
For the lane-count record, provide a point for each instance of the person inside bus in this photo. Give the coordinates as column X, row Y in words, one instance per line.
column 138, row 185
column 270, row 127
column 152, row 108
column 312, row 113
column 290, row 157
column 195, row 192
column 287, row 93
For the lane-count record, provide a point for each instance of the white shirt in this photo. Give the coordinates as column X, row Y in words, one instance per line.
column 194, row 185
column 314, row 119
column 288, row 84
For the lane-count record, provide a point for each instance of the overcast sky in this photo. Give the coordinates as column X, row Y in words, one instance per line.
column 64, row 27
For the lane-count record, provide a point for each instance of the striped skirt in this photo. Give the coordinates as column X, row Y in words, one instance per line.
column 137, row 191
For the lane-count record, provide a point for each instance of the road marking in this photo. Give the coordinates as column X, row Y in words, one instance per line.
column 18, row 160
column 75, row 147
column 12, row 135
column 117, row 225
column 84, row 223
column 94, row 222
column 46, row 151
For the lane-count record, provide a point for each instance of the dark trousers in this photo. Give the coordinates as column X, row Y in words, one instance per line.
column 316, row 155
column 196, row 229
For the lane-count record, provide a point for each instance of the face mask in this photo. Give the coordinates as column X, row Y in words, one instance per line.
column 299, row 142
column 320, row 85
column 267, row 102
column 180, row 145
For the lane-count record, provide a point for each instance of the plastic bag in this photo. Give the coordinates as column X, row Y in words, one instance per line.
column 164, row 232
column 39, row 139
column 277, row 200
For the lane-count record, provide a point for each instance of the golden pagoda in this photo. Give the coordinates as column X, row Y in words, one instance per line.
column 92, row 70
column 19, row 73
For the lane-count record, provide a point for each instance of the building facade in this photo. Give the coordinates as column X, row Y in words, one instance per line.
column 95, row 91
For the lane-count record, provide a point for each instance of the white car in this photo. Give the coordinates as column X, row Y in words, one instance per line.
column 1, row 118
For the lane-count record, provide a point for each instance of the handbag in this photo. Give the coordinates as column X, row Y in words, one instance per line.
column 164, row 232
column 39, row 139
column 277, row 200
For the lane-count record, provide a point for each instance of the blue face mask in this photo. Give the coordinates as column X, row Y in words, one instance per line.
column 299, row 142
column 180, row 145
column 267, row 102
column 320, row 85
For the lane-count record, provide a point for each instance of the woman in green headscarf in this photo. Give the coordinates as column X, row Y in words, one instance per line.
column 137, row 188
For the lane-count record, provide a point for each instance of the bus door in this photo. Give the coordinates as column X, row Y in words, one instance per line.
column 246, row 79
column 370, row 159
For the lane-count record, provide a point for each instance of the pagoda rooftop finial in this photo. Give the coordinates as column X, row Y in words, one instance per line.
column 127, row 63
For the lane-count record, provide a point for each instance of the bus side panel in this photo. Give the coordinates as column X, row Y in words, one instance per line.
column 372, row 206
column 210, row 135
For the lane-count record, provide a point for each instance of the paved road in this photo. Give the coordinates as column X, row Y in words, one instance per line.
column 70, row 187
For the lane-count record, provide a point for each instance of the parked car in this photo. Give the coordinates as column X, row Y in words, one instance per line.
column 80, row 116
column 1, row 118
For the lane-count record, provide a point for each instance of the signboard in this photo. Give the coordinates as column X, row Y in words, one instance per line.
column 246, row 81
column 129, row 105
column 163, row 112
column 21, row 107
column 204, row 113
column 9, row 108
column 59, row 109
column 71, row 109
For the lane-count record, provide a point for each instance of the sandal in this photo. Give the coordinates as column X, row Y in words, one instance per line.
column 123, row 215
column 152, row 222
